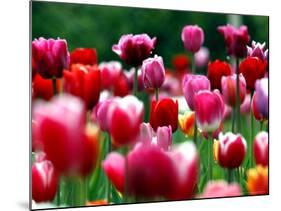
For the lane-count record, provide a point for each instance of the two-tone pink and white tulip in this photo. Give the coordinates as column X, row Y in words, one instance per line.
column 257, row 50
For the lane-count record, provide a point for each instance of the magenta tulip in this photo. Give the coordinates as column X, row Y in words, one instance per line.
column 261, row 148
column 100, row 112
column 192, row 37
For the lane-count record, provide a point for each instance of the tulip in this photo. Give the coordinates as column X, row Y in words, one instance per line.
column 216, row 70
column 50, row 57
column 153, row 72
column 257, row 50
column 232, row 150
column 228, row 87
column 85, row 56
column 44, row 181
column 127, row 111
column 130, row 78
column 164, row 137
column 261, row 148
column 202, row 57
column 133, row 49
column 192, row 37
column 245, row 107
column 84, row 82
column 186, row 123
column 236, row 39
column 164, row 113
column 36, row 143
column 172, row 86
column 215, row 189
column 121, row 85
column 192, row 84
column 252, row 69
column 110, row 72
column 181, row 63
column 260, row 100
column 257, row 180
column 209, row 109
column 99, row 114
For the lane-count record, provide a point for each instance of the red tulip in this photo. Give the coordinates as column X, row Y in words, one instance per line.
column 164, row 113
column 50, row 57
column 232, row 150
column 216, row 70
column 261, row 148
column 86, row 56
column 84, row 82
column 181, row 63
column 44, row 181
column 252, row 69
column 121, row 85
column 219, row 188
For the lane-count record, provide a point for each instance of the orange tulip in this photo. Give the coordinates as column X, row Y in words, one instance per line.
column 257, row 180
column 186, row 123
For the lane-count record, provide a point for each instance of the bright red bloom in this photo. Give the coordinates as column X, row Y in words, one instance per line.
column 261, row 148
column 84, row 82
column 252, row 69
column 86, row 56
column 180, row 62
column 44, row 181
column 164, row 113
column 121, row 85
column 216, row 70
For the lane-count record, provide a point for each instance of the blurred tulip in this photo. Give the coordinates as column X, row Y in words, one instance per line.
column 110, row 72
column 44, row 181
column 99, row 114
column 153, row 72
column 127, row 111
column 202, row 57
column 36, row 143
column 261, row 148
column 236, row 39
column 257, row 50
column 209, row 109
column 220, row 188
column 232, row 150
column 121, row 86
column 227, row 112
column 181, row 63
column 192, row 84
column 50, row 57
column 164, row 113
column 186, row 123
column 192, row 37
column 84, row 82
column 133, row 49
column 85, row 56
column 216, row 70
column 228, row 87
column 257, row 180
column 171, row 85
column 260, row 100
column 164, row 137
column 130, row 78
column 252, row 69
column 245, row 107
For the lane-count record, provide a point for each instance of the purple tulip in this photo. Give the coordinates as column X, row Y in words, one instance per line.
column 257, row 50
column 50, row 57
column 260, row 100
column 133, row 49
column 202, row 57
column 153, row 72
column 192, row 37
column 191, row 84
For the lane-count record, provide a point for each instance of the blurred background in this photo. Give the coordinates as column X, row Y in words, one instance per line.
column 101, row 26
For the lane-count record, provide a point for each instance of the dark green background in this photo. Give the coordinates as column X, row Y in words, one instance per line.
column 100, row 27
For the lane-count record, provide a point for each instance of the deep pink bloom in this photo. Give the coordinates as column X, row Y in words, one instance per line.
column 153, row 72
column 209, row 109
column 236, row 39
column 257, row 50
column 260, row 100
column 232, row 150
column 50, row 57
column 218, row 188
column 192, row 37
column 261, row 148
column 191, row 84
column 228, row 88
column 110, row 72
column 100, row 112
column 124, row 118
column 133, row 49
column 202, row 57
column 44, row 181
column 245, row 107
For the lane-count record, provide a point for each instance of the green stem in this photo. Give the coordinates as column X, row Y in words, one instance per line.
column 195, row 132
column 210, row 156
column 237, row 97
column 261, row 125
column 86, row 189
column 54, row 80
column 233, row 121
column 58, row 194
column 157, row 94
column 251, row 135
column 193, row 64
column 230, row 174
column 136, row 82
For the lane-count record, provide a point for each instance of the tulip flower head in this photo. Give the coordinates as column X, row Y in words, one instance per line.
column 257, row 50
column 133, row 49
column 180, row 63
column 192, row 37
column 85, row 56
column 110, row 72
column 260, row 100
column 99, row 114
column 257, row 180
column 202, row 57
column 186, row 123
column 261, row 148
column 50, row 57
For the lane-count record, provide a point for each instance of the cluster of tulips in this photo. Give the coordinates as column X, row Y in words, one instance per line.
column 88, row 121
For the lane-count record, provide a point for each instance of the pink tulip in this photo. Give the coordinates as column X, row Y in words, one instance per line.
column 133, row 49
column 191, row 84
column 260, row 100
column 209, row 109
column 221, row 188
column 153, row 72
column 110, row 72
column 50, row 57
column 164, row 137
column 192, row 37
column 245, row 107
column 257, row 50
column 99, row 114
column 232, row 150
column 261, row 148
column 228, row 86
column 202, row 57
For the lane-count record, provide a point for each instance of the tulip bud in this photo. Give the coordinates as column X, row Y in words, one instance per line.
column 44, row 181
column 257, row 180
column 232, row 150
column 209, row 110
column 85, row 56
column 164, row 137
column 192, row 37
column 186, row 123
column 260, row 100
column 202, row 57
column 261, row 148
column 153, row 72
column 50, row 57
column 228, row 85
